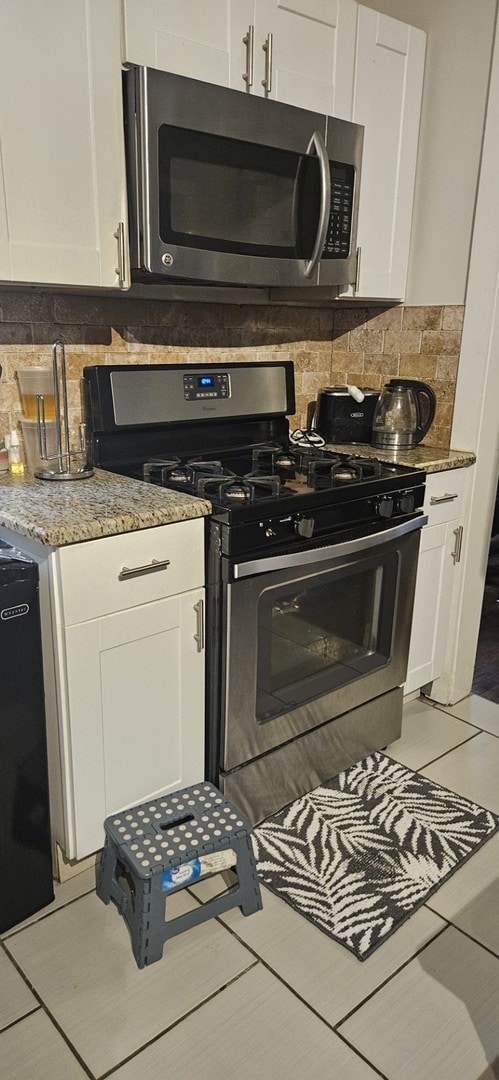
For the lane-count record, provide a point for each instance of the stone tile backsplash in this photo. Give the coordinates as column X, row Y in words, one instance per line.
column 365, row 345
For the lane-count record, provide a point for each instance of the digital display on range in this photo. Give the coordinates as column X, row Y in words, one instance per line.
column 200, row 385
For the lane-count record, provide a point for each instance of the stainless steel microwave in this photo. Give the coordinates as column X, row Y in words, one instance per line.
column 230, row 189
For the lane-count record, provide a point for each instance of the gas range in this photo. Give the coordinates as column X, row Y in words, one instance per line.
column 151, row 422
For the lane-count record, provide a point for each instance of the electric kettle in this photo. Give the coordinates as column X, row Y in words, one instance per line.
column 404, row 412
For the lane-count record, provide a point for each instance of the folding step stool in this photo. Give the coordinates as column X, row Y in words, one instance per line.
column 159, row 847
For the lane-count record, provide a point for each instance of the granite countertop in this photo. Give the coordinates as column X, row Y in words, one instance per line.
column 57, row 513
column 430, row 458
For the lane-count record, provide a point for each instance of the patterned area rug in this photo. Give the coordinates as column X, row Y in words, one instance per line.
column 361, row 853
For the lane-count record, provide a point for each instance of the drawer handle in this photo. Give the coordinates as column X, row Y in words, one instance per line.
column 149, row 568
column 434, row 499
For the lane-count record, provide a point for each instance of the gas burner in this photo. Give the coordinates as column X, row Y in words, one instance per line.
column 236, row 491
column 327, row 472
column 156, row 466
column 285, row 462
column 230, row 490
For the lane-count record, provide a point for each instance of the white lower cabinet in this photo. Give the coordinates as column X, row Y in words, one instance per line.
column 438, row 576
column 123, row 650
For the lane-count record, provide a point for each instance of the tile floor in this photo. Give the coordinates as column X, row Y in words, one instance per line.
column 270, row 997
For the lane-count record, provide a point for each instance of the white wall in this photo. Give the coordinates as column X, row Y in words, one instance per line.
column 460, row 35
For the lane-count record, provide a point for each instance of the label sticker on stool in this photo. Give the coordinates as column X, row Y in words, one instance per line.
column 189, row 871
column 180, row 875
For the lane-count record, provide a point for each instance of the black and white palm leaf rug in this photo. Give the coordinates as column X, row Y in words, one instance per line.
column 362, row 852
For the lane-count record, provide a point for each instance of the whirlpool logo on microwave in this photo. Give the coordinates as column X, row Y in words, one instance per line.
column 14, row 612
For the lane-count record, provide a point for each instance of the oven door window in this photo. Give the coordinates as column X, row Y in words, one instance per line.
column 319, row 633
column 226, row 195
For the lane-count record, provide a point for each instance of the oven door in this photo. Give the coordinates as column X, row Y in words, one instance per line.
column 312, row 634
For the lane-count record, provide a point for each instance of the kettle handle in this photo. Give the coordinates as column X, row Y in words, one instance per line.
column 421, row 389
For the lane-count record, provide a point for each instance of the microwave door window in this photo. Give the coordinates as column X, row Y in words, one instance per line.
column 226, row 195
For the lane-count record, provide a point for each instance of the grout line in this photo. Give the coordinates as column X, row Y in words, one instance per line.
column 35, row 920
column 465, row 933
column 49, row 1015
column 175, row 1023
column 396, row 972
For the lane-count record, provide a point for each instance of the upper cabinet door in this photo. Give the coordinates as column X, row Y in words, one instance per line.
column 304, row 53
column 197, row 38
column 61, row 144
column 387, row 100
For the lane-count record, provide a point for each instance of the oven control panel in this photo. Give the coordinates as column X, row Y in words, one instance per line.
column 201, row 386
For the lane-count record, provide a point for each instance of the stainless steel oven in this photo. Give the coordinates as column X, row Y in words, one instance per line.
column 311, row 562
column 305, row 638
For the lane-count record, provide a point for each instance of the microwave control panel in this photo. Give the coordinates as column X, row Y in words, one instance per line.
column 337, row 245
column 199, row 386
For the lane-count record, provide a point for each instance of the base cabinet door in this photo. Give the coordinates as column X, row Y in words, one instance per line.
column 135, row 691
column 437, row 578
column 62, row 159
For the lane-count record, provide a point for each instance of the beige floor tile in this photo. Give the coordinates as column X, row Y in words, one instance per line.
column 438, row 1018
column 306, row 958
column 426, row 734
column 256, row 1028
column 472, row 770
column 80, row 963
column 476, row 710
column 65, row 893
column 470, row 899
column 16, row 998
column 34, row 1050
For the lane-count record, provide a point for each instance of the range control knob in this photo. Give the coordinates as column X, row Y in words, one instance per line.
column 384, row 506
column 305, row 527
column 406, row 502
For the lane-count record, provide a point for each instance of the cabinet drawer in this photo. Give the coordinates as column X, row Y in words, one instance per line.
column 445, row 495
column 101, row 576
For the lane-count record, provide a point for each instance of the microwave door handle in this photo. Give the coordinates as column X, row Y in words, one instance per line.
column 317, row 143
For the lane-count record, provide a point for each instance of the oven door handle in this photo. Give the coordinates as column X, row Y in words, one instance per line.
column 332, row 551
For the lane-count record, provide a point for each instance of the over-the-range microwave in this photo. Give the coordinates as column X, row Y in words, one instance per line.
column 230, row 189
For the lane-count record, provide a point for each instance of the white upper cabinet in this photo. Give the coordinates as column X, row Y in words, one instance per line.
column 62, row 166
column 282, row 50
column 387, row 100
column 303, row 52
column 194, row 38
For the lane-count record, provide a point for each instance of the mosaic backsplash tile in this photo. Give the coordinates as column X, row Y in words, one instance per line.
column 333, row 344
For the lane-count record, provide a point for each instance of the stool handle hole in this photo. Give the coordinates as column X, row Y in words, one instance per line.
column 175, row 822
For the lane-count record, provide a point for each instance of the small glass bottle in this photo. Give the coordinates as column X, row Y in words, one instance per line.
column 16, row 465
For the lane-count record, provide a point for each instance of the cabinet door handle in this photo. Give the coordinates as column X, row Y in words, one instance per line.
column 456, row 554
column 149, row 568
column 358, row 254
column 448, row 497
column 121, row 267
column 249, row 41
column 199, row 637
column 267, row 48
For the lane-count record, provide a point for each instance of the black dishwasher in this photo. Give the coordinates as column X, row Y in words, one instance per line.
column 25, row 853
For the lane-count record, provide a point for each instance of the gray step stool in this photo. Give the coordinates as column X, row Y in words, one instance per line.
column 159, row 847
